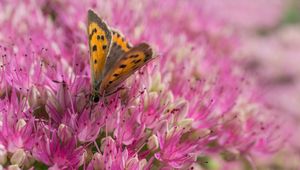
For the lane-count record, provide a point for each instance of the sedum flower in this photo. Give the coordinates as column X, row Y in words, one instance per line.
column 114, row 158
column 58, row 152
column 191, row 103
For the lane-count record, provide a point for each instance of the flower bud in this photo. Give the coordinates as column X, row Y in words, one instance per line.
column 29, row 161
column 153, row 143
column 132, row 163
column 84, row 157
column 98, row 162
column 169, row 99
column 142, row 163
column 230, row 155
column 199, row 133
column 20, row 124
column 3, row 155
column 156, row 85
column 13, row 167
column 18, row 157
column 186, row 124
column 195, row 166
column 36, row 98
column 64, row 132
column 182, row 108
column 149, row 98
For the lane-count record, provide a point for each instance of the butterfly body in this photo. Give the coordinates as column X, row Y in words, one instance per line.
column 112, row 58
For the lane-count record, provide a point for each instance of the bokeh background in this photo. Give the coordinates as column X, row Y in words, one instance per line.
column 269, row 49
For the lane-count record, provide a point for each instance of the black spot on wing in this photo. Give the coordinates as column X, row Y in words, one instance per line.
column 134, row 56
column 104, row 47
column 92, row 33
column 135, row 67
column 100, row 37
column 116, row 75
column 94, row 47
column 93, row 18
column 122, row 66
column 136, row 61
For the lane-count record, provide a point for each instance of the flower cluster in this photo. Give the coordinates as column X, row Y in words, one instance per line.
column 191, row 107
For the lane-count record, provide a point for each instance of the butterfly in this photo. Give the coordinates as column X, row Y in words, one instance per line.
column 112, row 58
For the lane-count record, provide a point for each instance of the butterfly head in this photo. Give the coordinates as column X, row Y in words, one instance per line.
column 95, row 97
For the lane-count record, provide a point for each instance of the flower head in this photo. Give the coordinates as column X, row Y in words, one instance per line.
column 191, row 102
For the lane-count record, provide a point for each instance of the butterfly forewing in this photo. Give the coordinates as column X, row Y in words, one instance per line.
column 100, row 38
column 125, row 66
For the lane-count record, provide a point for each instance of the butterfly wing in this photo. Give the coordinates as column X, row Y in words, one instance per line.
column 118, row 48
column 130, row 62
column 100, row 38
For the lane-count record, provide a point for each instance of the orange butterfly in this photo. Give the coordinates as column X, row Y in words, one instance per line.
column 112, row 58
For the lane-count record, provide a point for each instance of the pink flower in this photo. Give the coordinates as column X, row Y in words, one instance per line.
column 58, row 152
column 17, row 127
column 114, row 158
column 192, row 101
column 176, row 150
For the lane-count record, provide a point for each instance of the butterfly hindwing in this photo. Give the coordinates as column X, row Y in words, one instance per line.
column 118, row 48
column 127, row 64
column 100, row 38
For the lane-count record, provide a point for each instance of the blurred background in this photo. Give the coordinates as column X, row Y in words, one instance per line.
column 270, row 51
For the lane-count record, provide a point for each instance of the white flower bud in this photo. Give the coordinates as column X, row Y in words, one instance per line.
column 64, row 132
column 153, row 143
column 230, row 155
column 20, row 124
column 84, row 157
column 18, row 157
column 142, row 163
column 29, row 161
column 3, row 155
column 98, row 161
column 156, row 84
column 13, row 167
column 132, row 163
